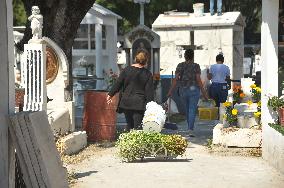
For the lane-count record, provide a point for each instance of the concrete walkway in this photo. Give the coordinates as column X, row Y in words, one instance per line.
column 196, row 169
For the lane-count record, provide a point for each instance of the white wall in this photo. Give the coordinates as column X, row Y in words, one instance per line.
column 7, row 91
column 269, row 55
column 273, row 147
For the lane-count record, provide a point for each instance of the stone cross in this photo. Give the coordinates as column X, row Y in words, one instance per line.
column 141, row 2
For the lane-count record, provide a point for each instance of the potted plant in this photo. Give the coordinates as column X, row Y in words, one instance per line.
column 277, row 104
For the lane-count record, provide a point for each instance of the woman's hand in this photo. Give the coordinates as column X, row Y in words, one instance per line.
column 109, row 100
column 169, row 93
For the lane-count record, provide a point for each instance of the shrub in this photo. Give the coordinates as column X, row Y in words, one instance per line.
column 140, row 144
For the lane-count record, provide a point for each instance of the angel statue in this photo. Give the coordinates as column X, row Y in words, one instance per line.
column 36, row 20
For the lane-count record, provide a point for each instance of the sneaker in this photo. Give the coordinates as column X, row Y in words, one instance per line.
column 191, row 133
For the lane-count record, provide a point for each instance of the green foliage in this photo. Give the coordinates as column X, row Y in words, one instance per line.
column 140, row 144
column 275, row 102
column 277, row 127
column 20, row 16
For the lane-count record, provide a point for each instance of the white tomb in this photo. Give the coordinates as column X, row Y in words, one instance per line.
column 96, row 39
column 207, row 35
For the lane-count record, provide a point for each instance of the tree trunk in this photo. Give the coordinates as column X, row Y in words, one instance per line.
column 61, row 19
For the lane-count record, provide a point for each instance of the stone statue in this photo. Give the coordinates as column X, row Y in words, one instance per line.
column 36, row 20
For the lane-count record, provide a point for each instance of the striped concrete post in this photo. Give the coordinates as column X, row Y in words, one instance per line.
column 35, row 77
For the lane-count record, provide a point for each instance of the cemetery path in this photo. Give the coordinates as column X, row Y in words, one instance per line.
column 198, row 168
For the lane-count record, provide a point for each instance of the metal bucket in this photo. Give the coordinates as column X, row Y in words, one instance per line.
column 99, row 119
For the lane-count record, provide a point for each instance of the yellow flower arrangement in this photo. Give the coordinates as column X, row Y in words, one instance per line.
column 231, row 114
column 253, row 86
column 257, row 114
column 249, row 102
column 227, row 104
column 255, row 93
column 234, row 112
column 259, row 103
column 258, row 89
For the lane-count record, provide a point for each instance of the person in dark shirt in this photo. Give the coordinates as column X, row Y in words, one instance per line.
column 187, row 77
column 135, row 84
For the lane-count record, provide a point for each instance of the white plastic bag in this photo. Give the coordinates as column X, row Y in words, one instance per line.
column 171, row 106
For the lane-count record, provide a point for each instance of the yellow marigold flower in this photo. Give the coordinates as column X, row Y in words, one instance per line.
column 259, row 103
column 253, row 86
column 249, row 102
column 257, row 114
column 227, row 104
column 242, row 95
column 258, row 89
column 234, row 112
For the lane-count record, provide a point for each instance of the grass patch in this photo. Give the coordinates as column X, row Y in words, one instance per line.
column 177, row 118
column 277, row 127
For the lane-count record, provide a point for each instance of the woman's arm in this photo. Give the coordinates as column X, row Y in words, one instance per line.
column 172, row 86
column 116, row 87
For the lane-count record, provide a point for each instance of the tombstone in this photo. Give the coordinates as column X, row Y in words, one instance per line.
column 60, row 111
column 45, row 73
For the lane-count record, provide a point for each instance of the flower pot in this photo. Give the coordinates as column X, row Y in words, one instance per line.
column 281, row 116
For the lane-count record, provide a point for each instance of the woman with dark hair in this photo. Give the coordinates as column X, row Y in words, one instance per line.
column 135, row 84
column 187, row 77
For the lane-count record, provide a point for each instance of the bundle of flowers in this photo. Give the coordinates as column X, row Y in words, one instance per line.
column 231, row 114
column 255, row 93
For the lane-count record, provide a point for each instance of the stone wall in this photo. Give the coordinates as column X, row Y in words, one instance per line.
column 273, row 147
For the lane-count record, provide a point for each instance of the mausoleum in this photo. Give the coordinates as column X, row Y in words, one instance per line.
column 207, row 35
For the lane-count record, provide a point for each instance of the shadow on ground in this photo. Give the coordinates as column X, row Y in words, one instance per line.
column 84, row 174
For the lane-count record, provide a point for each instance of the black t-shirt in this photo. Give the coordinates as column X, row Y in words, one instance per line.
column 136, row 88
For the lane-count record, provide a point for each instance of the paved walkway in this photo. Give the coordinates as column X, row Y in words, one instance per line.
column 196, row 169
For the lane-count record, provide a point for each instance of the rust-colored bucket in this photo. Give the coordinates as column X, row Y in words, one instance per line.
column 99, row 120
column 19, row 98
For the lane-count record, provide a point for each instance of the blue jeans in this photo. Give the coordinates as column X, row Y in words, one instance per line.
column 218, row 92
column 190, row 96
column 219, row 6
